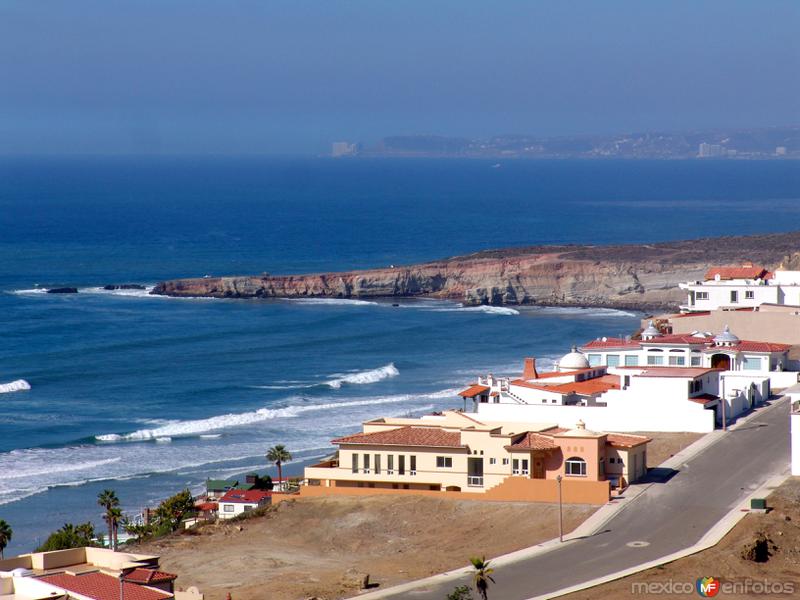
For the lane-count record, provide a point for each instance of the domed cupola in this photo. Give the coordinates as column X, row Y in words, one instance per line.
column 726, row 338
column 651, row 332
column 573, row 361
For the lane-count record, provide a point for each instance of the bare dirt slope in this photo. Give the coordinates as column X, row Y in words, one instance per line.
column 303, row 548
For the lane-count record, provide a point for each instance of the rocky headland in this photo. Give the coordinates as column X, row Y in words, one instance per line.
column 632, row 276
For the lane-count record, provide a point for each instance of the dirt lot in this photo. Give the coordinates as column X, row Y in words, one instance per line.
column 303, row 548
column 665, row 445
column 781, row 527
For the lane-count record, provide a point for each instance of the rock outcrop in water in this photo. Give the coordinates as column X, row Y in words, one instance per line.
column 624, row 276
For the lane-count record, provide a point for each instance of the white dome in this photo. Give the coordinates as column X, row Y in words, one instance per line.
column 726, row 338
column 651, row 332
column 573, row 361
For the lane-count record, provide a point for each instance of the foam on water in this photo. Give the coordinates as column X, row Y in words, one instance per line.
column 489, row 310
column 14, row 386
column 364, row 377
column 568, row 311
column 334, row 301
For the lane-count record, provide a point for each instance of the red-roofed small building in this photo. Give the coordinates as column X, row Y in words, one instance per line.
column 237, row 502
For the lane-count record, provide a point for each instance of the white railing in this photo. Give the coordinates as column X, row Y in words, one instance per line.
column 475, row 481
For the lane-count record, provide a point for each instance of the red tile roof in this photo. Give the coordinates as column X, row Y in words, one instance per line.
column 676, row 339
column 589, row 387
column 245, row 496
column 676, row 371
column 433, row 437
column 611, row 343
column 211, row 505
column 473, row 390
column 704, row 398
column 140, row 575
column 751, row 346
column 567, row 373
column 534, row 441
column 626, row 441
column 100, row 586
column 737, row 272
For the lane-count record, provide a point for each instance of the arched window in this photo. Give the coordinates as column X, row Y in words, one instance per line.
column 575, row 466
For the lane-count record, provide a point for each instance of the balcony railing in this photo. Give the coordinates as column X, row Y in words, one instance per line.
column 475, row 481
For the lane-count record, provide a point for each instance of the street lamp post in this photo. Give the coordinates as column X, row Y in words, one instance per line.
column 560, row 513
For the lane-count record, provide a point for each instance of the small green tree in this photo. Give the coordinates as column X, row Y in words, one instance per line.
column 173, row 510
column 482, row 575
column 460, row 593
column 109, row 501
column 278, row 455
column 5, row 536
column 70, row 536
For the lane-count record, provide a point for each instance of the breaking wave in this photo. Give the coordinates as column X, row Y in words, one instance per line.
column 585, row 312
column 14, row 386
column 198, row 427
column 364, row 377
column 333, row 301
column 490, row 310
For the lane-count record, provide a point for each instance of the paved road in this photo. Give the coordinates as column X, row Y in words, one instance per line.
column 667, row 516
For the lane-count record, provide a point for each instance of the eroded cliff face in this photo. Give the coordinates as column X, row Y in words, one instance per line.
column 630, row 276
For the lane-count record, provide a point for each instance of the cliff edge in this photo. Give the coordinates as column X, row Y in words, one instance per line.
column 637, row 276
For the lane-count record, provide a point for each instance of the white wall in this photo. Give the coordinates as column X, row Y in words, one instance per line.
column 795, row 423
column 238, row 509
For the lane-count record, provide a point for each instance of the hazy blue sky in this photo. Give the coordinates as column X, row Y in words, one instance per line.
column 265, row 76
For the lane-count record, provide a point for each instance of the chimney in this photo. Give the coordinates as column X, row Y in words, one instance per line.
column 529, row 370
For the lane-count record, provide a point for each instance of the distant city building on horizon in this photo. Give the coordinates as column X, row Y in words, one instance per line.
column 344, row 149
column 710, row 150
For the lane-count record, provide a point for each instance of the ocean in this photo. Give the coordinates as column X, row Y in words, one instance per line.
column 147, row 395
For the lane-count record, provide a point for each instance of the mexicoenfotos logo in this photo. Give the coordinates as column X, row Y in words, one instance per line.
column 707, row 587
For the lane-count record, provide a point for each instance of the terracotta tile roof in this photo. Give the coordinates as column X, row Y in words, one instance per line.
column 141, row 575
column 589, row 387
column 675, row 371
column 626, row 441
column 751, row 346
column 553, row 430
column 737, row 272
column 245, row 496
column 208, row 505
column 100, row 586
column 671, row 340
column 704, row 398
column 473, row 390
column 433, row 437
column 534, row 441
column 610, row 343
column 566, row 373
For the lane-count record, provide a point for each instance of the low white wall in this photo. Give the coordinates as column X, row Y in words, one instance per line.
column 795, row 421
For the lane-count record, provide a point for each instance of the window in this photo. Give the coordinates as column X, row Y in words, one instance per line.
column 697, row 361
column 401, row 464
column 612, row 360
column 366, row 463
column 655, row 360
column 751, row 363
column 413, row 469
column 505, row 461
column 749, row 295
column 247, row 508
column 594, row 360
column 575, row 467
column 611, row 460
column 227, row 507
column 390, row 464
column 631, row 360
column 524, row 466
column 677, row 361
column 734, row 296
column 355, row 462
column 442, row 462
column 701, row 295
column 515, row 467
column 377, row 464
column 492, row 461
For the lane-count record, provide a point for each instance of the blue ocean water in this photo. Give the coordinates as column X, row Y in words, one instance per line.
column 147, row 395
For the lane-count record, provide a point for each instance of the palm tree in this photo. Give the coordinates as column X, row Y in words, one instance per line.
column 108, row 500
column 115, row 515
column 5, row 536
column 482, row 575
column 278, row 455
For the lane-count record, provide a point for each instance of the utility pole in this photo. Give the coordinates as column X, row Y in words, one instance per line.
column 560, row 512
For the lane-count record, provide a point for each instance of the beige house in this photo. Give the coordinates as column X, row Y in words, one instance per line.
column 454, row 452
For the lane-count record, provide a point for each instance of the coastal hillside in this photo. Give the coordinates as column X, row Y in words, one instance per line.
column 640, row 276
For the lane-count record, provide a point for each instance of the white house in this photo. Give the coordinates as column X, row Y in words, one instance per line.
column 633, row 398
column 741, row 286
column 723, row 351
column 236, row 502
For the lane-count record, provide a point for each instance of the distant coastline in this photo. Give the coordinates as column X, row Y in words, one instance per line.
column 636, row 276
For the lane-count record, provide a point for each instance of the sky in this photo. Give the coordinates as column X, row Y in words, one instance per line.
column 290, row 77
